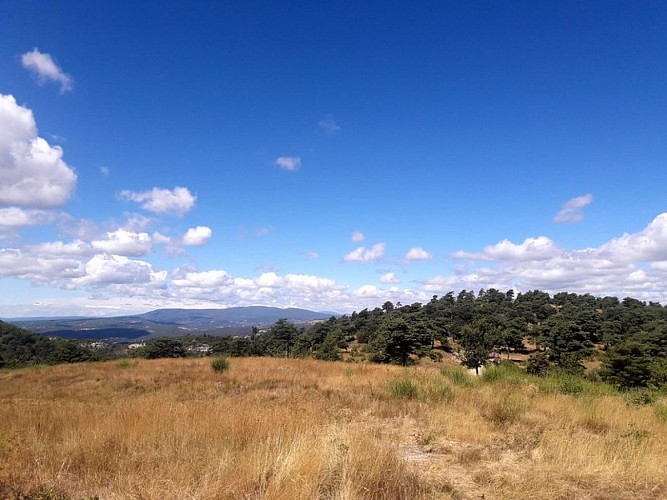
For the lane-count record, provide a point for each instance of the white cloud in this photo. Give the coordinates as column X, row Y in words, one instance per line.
column 311, row 255
column 572, row 210
column 205, row 280
column 160, row 238
column 618, row 267
column 329, row 125
column 358, row 236
column 46, row 69
column 369, row 291
column 418, row 253
column 102, row 270
column 197, row 236
column 14, row 217
column 123, row 242
column 105, row 170
column 633, row 264
column 289, row 163
column 540, row 248
column 56, row 249
column 363, row 254
column 177, row 201
column 32, row 173
column 389, row 279
column 37, row 269
column 650, row 244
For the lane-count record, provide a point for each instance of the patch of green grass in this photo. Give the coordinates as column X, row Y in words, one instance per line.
column 220, row 364
column 403, row 388
column 506, row 373
column 571, row 384
column 458, row 376
column 660, row 412
column 125, row 363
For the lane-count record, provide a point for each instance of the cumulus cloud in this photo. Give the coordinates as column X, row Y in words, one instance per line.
column 358, row 236
column 268, row 288
column 45, row 68
column 205, row 280
column 572, row 210
column 289, row 163
column 418, row 253
column 540, row 248
column 60, row 249
column 37, row 269
column 363, row 254
column 123, row 242
column 389, row 279
column 160, row 238
column 14, row 217
column 32, row 173
column 103, row 269
column 177, row 201
column 197, row 236
column 648, row 245
column 329, row 125
column 633, row 264
column 630, row 265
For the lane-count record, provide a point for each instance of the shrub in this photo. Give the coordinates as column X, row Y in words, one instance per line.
column 220, row 364
column 641, row 397
column 538, row 364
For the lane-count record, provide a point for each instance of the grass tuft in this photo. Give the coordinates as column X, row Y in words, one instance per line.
column 220, row 364
column 458, row 376
column 403, row 388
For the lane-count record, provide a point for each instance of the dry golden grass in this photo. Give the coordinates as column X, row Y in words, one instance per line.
column 301, row 429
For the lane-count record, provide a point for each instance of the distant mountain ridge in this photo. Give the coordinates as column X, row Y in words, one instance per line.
column 233, row 316
column 170, row 322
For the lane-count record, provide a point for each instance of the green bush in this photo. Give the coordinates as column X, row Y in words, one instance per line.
column 641, row 397
column 220, row 364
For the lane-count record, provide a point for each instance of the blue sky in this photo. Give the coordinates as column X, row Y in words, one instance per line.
column 328, row 155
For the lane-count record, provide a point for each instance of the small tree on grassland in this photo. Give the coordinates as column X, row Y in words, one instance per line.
column 476, row 344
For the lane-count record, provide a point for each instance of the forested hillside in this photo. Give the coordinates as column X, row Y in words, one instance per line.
column 559, row 332
column 19, row 347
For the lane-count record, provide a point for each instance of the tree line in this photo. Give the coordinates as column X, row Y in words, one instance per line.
column 558, row 332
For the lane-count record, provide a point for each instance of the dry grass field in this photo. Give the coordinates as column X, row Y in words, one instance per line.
column 302, row 429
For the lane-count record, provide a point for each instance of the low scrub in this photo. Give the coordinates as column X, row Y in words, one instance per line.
column 220, row 364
